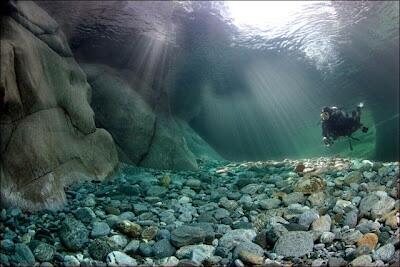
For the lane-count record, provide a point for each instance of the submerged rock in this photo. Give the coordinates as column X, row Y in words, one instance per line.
column 48, row 137
column 117, row 258
column 73, row 234
column 294, row 244
column 187, row 235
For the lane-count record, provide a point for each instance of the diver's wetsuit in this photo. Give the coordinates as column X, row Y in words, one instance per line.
column 339, row 123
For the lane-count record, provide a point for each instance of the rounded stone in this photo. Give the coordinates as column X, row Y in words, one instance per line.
column 322, row 224
column 117, row 258
column 363, row 260
column 234, row 237
column 327, row 237
column 100, row 229
column 370, row 240
column 310, row 185
column 149, row 233
column 294, row 244
column 129, row 228
column 385, row 253
column 308, row 217
column 99, row 249
column 187, row 235
column 270, row 203
column 43, row 251
column 85, row 215
column 73, row 234
column 163, row 248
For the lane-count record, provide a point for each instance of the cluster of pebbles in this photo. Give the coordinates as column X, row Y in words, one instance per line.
column 314, row 212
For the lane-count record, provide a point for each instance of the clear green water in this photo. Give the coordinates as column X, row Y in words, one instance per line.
column 251, row 77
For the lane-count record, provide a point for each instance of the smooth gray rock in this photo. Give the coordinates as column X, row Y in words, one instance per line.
column 385, row 253
column 187, row 235
column 350, row 219
column 201, row 252
column 308, row 217
column 120, row 240
column 322, row 224
column 294, row 244
column 248, row 247
column 156, row 191
column 293, row 198
column 363, row 260
column 270, row 203
column 100, row 229
column 235, row 237
column 71, row 261
column 132, row 247
column 163, row 248
column 117, row 258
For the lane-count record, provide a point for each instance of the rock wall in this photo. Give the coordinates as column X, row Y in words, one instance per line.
column 48, row 136
column 144, row 136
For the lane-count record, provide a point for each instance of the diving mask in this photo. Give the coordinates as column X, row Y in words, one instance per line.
column 324, row 116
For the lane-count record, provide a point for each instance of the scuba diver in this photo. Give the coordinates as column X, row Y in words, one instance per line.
column 337, row 123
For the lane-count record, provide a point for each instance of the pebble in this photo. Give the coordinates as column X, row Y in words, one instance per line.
column 163, row 248
column 99, row 249
column 187, row 235
column 85, row 215
column 129, row 228
column 322, row 224
column 327, row 237
column 385, row 253
column 119, row 240
column 251, row 213
column 42, row 251
column 370, row 240
column 23, row 255
column 145, row 250
column 100, row 229
column 363, row 260
column 7, row 245
column 270, row 203
column 235, row 237
column 294, row 244
column 351, row 237
column 117, row 258
column 308, row 217
column 350, row 219
column 73, row 234
column 71, row 261
column 201, row 252
column 132, row 247
column 293, row 198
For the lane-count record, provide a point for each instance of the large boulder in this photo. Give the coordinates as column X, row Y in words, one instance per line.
column 48, row 134
column 144, row 137
column 121, row 111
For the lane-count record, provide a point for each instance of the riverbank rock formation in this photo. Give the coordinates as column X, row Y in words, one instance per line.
column 48, row 134
column 144, row 137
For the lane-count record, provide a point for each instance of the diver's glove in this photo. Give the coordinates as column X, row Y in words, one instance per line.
column 361, row 105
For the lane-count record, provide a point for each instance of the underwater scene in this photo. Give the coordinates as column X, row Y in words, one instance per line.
column 199, row 133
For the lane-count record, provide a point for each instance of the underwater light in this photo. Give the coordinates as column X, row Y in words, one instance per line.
column 262, row 13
